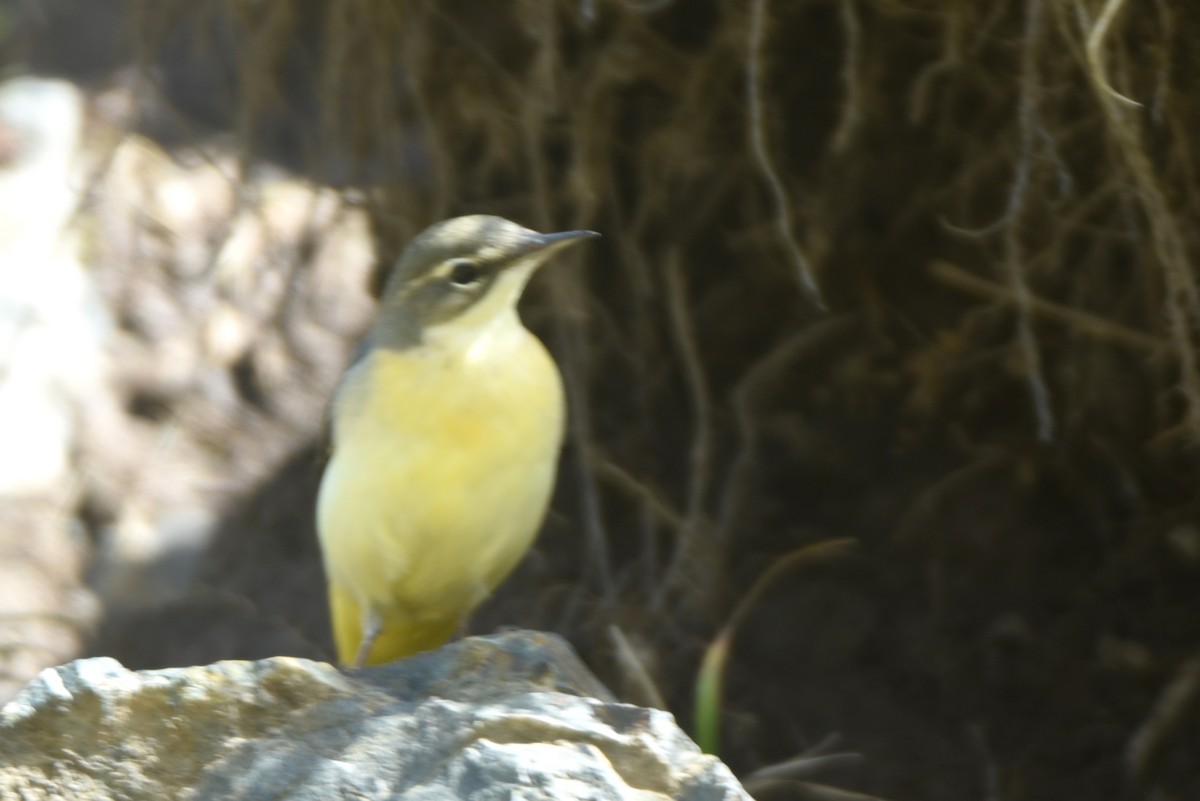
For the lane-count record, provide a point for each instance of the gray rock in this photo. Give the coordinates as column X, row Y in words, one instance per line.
column 513, row 716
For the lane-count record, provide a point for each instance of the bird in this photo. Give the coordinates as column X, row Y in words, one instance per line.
column 445, row 437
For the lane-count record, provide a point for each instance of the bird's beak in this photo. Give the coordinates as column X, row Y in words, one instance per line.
column 554, row 242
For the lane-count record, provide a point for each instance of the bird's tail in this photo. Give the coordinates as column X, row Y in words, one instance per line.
column 400, row 636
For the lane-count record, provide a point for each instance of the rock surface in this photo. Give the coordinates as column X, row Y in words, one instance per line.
column 513, row 716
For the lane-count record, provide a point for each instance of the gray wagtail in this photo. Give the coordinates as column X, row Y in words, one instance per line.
column 446, row 436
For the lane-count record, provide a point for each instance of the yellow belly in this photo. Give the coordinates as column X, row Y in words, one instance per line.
column 442, row 469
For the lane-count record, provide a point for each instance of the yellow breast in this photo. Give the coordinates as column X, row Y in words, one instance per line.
column 444, row 460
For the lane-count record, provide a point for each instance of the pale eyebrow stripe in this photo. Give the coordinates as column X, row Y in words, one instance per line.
column 486, row 266
column 443, row 269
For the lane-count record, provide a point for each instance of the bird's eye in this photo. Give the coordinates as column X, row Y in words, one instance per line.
column 464, row 272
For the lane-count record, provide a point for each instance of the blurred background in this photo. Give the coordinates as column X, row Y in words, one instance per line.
column 883, row 377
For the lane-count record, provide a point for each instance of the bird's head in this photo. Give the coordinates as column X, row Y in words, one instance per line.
column 462, row 274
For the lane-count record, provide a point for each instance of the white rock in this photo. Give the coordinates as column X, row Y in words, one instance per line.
column 504, row 717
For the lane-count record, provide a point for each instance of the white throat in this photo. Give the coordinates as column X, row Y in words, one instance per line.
column 489, row 325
